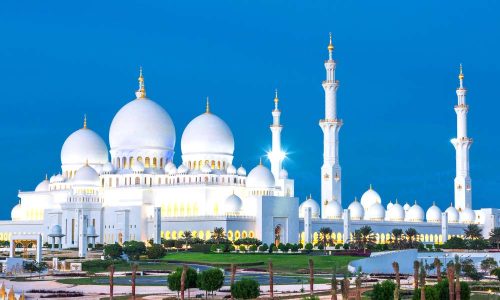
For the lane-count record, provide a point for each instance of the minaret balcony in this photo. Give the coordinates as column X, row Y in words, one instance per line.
column 331, row 121
column 462, row 106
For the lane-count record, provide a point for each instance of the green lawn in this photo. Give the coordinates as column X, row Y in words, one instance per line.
column 283, row 263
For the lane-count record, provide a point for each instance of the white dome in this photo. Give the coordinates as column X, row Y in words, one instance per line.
column 207, row 134
column 389, row 205
column 406, row 207
column 467, row 216
column 433, row 214
column 182, row 169
column 59, row 178
column 242, row 171
column 17, row 213
column 86, row 175
column 172, row 171
column 369, row 198
column 231, row 170
column 108, row 168
column 376, row 212
column 138, row 167
column 453, row 215
column 232, row 205
column 142, row 124
column 55, row 230
column 82, row 146
column 43, row 186
column 396, row 212
column 313, row 205
column 260, row 177
column 168, row 166
column 283, row 174
column 52, row 179
column 356, row 210
column 206, row 169
column 333, row 210
column 415, row 213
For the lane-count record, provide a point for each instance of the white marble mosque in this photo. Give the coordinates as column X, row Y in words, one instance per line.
column 134, row 191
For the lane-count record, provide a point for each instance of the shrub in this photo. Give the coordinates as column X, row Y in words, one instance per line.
column 179, row 244
column 211, row 280
column 301, row 245
column 455, row 243
column 310, row 298
column 443, row 291
column 245, row 288
column 263, row 247
column 96, row 265
column 224, row 247
column 346, row 246
column 214, row 248
column 200, row 248
column 248, row 241
column 168, row 243
column 384, row 290
column 134, row 249
column 113, row 251
column 253, row 248
column 232, row 248
column 431, row 293
column 295, row 248
column 174, row 279
column 282, row 247
column 156, row 251
column 308, row 246
column 321, row 247
column 337, row 247
column 496, row 272
column 242, row 248
column 429, row 247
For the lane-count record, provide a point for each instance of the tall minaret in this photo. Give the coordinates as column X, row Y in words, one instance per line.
column 331, row 176
column 462, row 143
column 276, row 155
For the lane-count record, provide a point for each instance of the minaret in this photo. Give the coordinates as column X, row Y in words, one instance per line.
column 276, row 155
column 141, row 92
column 462, row 143
column 331, row 177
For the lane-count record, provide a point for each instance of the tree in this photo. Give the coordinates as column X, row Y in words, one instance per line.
column 246, row 288
column 344, row 286
column 134, row 249
column 364, row 237
column 111, row 270
column 383, row 291
column 397, row 233
column 422, row 281
column 34, row 266
column 210, row 280
column 488, row 264
column 134, row 273
column 416, row 266
column 443, row 290
column 496, row 272
column 325, row 234
column 473, row 232
column 495, row 237
column 271, row 279
column 311, row 276
column 155, row 251
column 174, row 279
column 455, row 243
column 450, row 270
column 218, row 235
column 233, row 275
column 395, row 266
column 183, row 281
column 437, row 265
column 187, row 237
column 113, row 251
column 358, row 285
column 412, row 235
column 334, row 283
column 469, row 269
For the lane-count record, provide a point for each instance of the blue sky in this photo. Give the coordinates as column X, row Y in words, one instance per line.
column 397, row 64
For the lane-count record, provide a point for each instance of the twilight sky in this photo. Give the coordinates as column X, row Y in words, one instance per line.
column 397, row 65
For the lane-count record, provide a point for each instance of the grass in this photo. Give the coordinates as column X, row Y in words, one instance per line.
column 282, row 263
column 122, row 266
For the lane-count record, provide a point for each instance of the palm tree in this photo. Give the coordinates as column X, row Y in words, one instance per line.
column 437, row 264
column 134, row 273
column 458, row 269
column 412, row 235
column 111, row 270
column 183, row 280
column 218, row 234
column 326, row 233
column 473, row 232
column 395, row 266
column 358, row 286
column 233, row 276
column 416, row 266
column 367, row 237
column 397, row 233
column 422, row 281
column 495, row 237
column 345, row 286
column 271, row 281
column 450, row 270
column 334, row 283
column 311, row 276
column 187, row 235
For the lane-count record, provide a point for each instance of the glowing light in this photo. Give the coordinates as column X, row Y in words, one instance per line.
column 279, row 155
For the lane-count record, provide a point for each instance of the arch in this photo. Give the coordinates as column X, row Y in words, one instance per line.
column 161, row 162
column 117, row 162
column 124, row 162
column 167, row 234
column 230, row 235
column 237, row 235
column 201, row 234
column 208, row 234
column 302, row 237
column 147, row 162
column 315, row 237
column 212, row 165
column 137, row 181
column 251, row 234
column 339, row 237
column 244, row 234
column 189, row 164
column 218, row 164
column 131, row 161
column 155, row 164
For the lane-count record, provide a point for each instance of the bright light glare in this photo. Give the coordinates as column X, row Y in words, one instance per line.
column 281, row 155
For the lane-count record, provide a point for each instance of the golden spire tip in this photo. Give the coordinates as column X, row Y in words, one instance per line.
column 461, row 75
column 85, row 121
column 260, row 161
column 207, row 108
column 330, row 45
column 141, row 92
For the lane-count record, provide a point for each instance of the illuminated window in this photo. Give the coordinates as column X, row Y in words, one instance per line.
column 154, row 163
column 146, row 162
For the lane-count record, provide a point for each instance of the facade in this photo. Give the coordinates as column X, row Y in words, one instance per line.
column 138, row 193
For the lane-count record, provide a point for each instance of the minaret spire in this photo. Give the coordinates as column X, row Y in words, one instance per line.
column 462, row 143
column 85, row 121
column 207, row 106
column 331, row 174
column 141, row 92
column 276, row 155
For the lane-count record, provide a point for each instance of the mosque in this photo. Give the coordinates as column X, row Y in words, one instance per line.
column 134, row 191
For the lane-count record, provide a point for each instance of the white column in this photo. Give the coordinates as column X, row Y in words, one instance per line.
column 38, row 256
column 444, row 226
column 12, row 247
column 462, row 143
column 331, row 173
column 157, row 225
column 308, row 225
column 276, row 155
column 347, row 225
column 82, row 234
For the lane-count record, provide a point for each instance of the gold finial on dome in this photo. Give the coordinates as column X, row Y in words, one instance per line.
column 260, row 161
column 87, row 162
column 46, row 176
column 276, row 99
column 207, row 106
column 371, row 188
column 330, row 45
column 85, row 121
column 396, row 201
column 141, row 92
column 461, row 75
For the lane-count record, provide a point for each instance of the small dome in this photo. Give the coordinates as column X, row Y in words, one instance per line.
column 172, row 171
column 356, row 210
column 333, row 210
column 242, row 171
column 207, row 134
column 182, row 169
column 138, row 167
column 232, row 205
column 60, row 178
column 310, row 202
column 260, row 177
column 376, row 212
column 453, row 215
column 433, row 214
column 55, row 230
column 43, row 186
column 369, row 198
column 415, row 213
column 231, row 170
column 17, row 213
column 52, row 179
column 170, row 165
column 91, row 231
column 283, row 174
column 108, row 168
column 396, row 212
column 84, row 145
column 86, row 175
column 467, row 216
column 206, row 169
column 389, row 205
column 406, row 207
